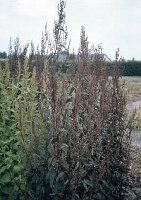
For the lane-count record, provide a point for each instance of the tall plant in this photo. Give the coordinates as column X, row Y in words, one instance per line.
column 71, row 127
column 11, row 164
column 84, row 153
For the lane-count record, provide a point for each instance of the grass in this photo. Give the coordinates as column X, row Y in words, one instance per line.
column 132, row 88
column 137, row 120
column 133, row 93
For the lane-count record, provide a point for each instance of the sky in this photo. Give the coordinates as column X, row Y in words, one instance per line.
column 114, row 23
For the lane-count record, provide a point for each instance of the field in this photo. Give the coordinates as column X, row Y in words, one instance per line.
column 133, row 93
column 132, row 88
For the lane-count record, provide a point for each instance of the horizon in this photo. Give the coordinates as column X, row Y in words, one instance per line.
column 115, row 23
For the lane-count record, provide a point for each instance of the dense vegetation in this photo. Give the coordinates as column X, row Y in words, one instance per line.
column 131, row 68
column 3, row 55
column 127, row 68
column 63, row 136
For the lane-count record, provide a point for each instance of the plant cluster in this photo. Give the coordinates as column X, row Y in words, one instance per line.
column 64, row 136
column 11, row 163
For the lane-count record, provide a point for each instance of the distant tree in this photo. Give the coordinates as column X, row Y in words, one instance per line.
column 3, row 54
column 127, row 67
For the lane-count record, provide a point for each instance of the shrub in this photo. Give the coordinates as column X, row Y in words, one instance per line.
column 11, row 164
column 76, row 139
column 131, row 68
column 71, row 127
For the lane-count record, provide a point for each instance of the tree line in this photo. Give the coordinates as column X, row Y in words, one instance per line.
column 3, row 55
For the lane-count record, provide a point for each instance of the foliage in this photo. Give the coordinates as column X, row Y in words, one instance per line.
column 3, row 55
column 131, row 68
column 77, row 141
column 11, row 164
column 64, row 135
column 128, row 68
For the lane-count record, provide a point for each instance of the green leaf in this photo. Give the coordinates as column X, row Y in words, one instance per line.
column 86, row 184
column 17, row 168
column 69, row 100
column 5, row 178
column 71, row 90
column 60, row 176
column 7, row 189
column 4, row 168
column 51, row 176
column 100, row 196
column 105, row 183
column 64, row 147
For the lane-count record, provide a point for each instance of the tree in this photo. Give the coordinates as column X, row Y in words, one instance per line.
column 3, row 55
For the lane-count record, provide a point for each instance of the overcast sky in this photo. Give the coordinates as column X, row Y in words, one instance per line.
column 114, row 23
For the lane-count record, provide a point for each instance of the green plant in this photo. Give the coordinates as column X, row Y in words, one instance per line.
column 70, row 129
column 11, row 164
column 83, row 150
column 137, row 120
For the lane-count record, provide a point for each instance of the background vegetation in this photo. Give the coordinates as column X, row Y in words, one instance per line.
column 129, row 68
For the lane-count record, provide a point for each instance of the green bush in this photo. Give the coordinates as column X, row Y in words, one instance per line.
column 128, row 68
column 11, row 164
column 64, row 136
column 74, row 133
column 131, row 68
